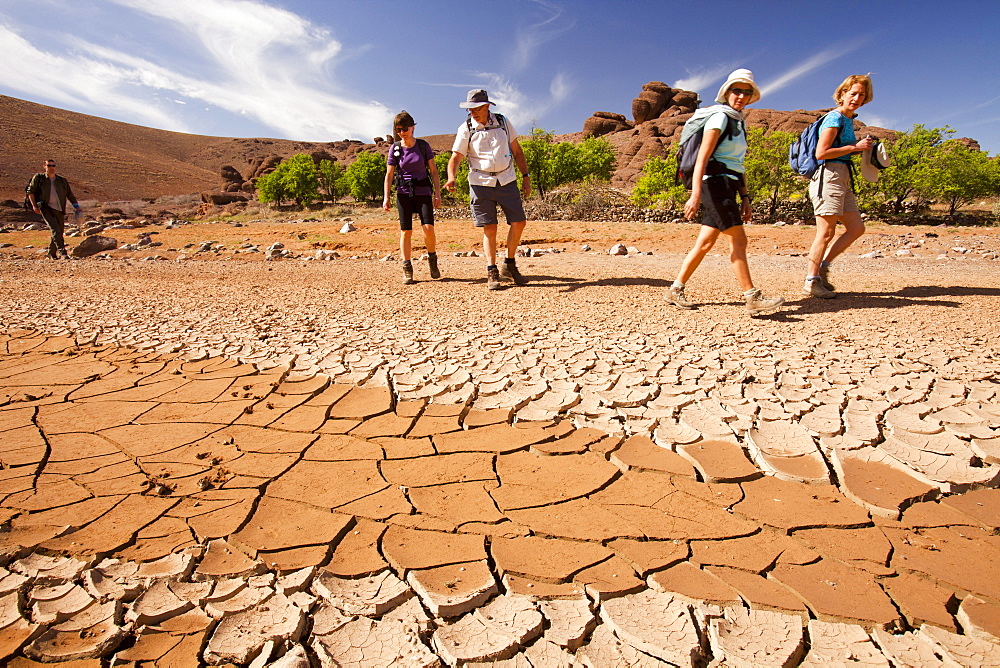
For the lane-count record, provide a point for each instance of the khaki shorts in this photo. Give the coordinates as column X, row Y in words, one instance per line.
column 837, row 197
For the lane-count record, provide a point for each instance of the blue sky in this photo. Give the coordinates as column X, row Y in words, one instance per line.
column 325, row 70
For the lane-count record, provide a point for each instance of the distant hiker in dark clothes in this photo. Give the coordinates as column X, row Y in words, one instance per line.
column 489, row 142
column 718, row 179
column 411, row 167
column 48, row 193
column 831, row 188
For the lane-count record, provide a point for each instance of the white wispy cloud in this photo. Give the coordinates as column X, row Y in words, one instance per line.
column 252, row 59
column 811, row 63
column 702, row 81
column 527, row 41
column 100, row 84
column 524, row 109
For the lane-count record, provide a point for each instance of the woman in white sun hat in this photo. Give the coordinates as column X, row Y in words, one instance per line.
column 831, row 188
column 716, row 182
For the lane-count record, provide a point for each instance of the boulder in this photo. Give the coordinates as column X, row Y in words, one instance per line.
column 222, row 198
column 230, row 174
column 597, row 126
column 93, row 245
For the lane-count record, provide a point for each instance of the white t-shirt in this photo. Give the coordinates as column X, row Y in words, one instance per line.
column 487, row 148
column 52, row 200
column 730, row 151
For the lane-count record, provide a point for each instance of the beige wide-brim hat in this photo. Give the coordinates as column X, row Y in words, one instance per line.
column 476, row 97
column 873, row 161
column 739, row 76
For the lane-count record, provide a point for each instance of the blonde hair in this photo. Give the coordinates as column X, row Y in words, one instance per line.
column 862, row 79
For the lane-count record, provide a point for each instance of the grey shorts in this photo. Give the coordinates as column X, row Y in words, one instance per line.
column 836, row 197
column 486, row 198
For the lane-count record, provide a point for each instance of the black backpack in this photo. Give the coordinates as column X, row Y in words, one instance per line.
column 687, row 153
column 405, row 184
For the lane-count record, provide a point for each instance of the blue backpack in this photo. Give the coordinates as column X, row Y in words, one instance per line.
column 802, row 152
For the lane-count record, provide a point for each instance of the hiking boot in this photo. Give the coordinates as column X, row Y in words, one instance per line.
column 814, row 287
column 408, row 274
column 824, row 278
column 432, row 262
column 509, row 270
column 756, row 303
column 677, row 297
column 493, row 278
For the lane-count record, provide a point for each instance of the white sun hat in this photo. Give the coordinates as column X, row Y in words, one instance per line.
column 738, row 76
column 873, row 161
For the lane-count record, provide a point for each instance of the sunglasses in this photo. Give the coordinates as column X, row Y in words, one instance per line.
column 742, row 91
column 50, row 164
column 406, row 129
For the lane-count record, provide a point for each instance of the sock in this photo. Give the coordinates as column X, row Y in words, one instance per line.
column 407, row 263
column 824, row 264
column 510, row 260
column 434, row 255
column 750, row 292
column 677, row 284
column 812, row 278
column 490, row 266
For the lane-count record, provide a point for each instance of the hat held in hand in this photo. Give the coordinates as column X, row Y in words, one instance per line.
column 873, row 161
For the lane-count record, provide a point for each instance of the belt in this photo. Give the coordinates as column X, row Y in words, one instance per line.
column 483, row 171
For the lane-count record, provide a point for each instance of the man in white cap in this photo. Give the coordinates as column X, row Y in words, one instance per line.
column 489, row 142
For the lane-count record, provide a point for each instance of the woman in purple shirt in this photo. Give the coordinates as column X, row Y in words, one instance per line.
column 410, row 166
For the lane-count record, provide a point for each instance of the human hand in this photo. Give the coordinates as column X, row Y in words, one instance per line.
column 450, row 185
column 385, row 204
column 691, row 206
column 865, row 143
column 437, row 200
column 746, row 209
column 526, row 188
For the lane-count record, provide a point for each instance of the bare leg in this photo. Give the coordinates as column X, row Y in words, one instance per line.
column 738, row 256
column 514, row 237
column 706, row 239
column 826, row 227
column 404, row 244
column 430, row 240
column 854, row 228
column 490, row 243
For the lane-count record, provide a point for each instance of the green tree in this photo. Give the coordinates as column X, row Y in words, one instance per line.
column 908, row 174
column 301, row 178
column 554, row 164
column 959, row 175
column 294, row 178
column 271, row 188
column 331, row 179
column 597, row 158
column 366, row 176
column 658, row 185
column 769, row 177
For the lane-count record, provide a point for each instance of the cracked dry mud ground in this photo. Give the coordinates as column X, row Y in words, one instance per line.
column 283, row 463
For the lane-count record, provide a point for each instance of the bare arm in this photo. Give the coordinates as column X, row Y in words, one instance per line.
column 432, row 169
column 522, row 166
column 453, row 163
column 825, row 150
column 387, row 186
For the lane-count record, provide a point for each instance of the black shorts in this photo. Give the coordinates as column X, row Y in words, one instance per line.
column 720, row 205
column 406, row 205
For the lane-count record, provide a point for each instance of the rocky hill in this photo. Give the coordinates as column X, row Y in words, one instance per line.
column 108, row 160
